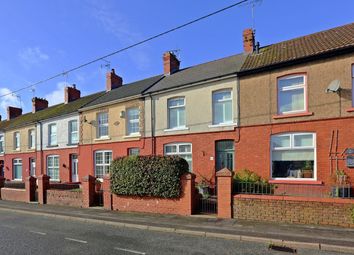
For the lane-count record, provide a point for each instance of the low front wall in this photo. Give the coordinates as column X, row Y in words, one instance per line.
column 64, row 197
column 13, row 194
column 298, row 210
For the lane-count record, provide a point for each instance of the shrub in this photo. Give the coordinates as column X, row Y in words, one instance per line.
column 245, row 175
column 155, row 176
column 248, row 182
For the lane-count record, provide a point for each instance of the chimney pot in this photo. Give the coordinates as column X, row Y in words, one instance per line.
column 71, row 94
column 39, row 104
column 170, row 63
column 248, row 40
column 113, row 80
column 13, row 112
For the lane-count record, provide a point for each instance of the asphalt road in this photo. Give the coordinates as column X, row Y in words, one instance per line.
column 26, row 234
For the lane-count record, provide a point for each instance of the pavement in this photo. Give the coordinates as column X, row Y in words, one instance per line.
column 324, row 239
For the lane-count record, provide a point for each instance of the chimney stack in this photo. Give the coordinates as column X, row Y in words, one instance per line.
column 13, row 112
column 170, row 63
column 71, row 94
column 39, row 104
column 113, row 81
column 248, row 40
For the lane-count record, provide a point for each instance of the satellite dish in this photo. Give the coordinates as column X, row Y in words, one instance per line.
column 333, row 87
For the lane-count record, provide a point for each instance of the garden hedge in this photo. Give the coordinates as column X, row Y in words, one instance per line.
column 154, row 176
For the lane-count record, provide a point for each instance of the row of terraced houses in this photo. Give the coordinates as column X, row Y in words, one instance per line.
column 284, row 111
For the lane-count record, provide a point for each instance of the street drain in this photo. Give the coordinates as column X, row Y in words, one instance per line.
column 281, row 248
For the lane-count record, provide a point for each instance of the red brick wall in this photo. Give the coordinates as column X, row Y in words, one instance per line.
column 64, row 197
column 180, row 206
column 13, row 194
column 253, row 150
column 322, row 211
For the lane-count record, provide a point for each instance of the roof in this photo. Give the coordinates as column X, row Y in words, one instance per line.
column 125, row 91
column 335, row 39
column 202, row 72
column 50, row 112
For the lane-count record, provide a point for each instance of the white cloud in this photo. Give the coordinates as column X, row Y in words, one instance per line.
column 31, row 56
column 57, row 95
column 8, row 100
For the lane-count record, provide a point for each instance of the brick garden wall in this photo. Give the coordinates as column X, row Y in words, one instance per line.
column 64, row 197
column 298, row 210
column 13, row 194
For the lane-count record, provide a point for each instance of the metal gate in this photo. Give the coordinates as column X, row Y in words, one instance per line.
column 207, row 201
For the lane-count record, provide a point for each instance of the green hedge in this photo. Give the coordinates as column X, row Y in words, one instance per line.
column 155, row 176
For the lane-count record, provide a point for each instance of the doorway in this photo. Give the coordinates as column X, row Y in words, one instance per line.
column 74, row 168
column 224, row 155
column 32, row 167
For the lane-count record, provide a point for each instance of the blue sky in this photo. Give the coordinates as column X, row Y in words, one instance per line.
column 41, row 38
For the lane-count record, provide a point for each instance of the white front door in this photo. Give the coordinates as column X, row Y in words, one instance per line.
column 32, row 167
column 74, row 169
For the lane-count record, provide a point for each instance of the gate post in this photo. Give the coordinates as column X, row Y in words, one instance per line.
column 107, row 196
column 224, row 190
column 2, row 183
column 30, row 186
column 43, row 185
column 88, row 190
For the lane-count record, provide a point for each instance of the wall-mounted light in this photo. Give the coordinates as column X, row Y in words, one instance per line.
column 122, row 114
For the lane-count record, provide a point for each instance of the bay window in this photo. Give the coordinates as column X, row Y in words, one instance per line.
column 176, row 113
column 53, row 167
column 103, row 161
column 102, row 125
column 133, row 121
column 292, row 94
column 183, row 150
column 293, row 156
column 222, row 107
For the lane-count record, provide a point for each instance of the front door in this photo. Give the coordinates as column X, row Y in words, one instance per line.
column 224, row 155
column 74, row 168
column 32, row 167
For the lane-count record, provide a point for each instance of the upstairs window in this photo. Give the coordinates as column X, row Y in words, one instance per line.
column 52, row 135
column 1, row 144
column 133, row 121
column 73, row 132
column 294, row 156
column 102, row 124
column 176, row 113
column 17, row 141
column 222, row 107
column 31, row 139
column 292, row 94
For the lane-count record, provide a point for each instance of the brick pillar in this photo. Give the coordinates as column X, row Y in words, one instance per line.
column 107, row 195
column 188, row 190
column 30, row 186
column 2, row 183
column 43, row 185
column 88, row 190
column 224, row 190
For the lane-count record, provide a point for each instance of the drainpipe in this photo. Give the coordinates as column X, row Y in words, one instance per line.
column 152, row 124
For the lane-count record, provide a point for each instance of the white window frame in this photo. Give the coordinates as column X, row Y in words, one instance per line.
column 179, row 125
column 231, row 122
column 130, row 150
column 178, row 153
column 292, row 147
column 128, row 121
column 99, row 125
column 32, row 159
column 17, row 141
column 51, row 135
column 2, row 144
column 53, row 156
column 103, row 164
column 292, row 87
column 71, row 132
column 17, row 161
column 31, row 139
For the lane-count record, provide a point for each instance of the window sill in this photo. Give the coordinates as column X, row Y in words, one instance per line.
column 102, row 139
column 292, row 115
column 223, row 125
column 17, row 150
column 292, row 181
column 176, row 129
column 52, row 146
column 72, row 144
column 350, row 109
column 132, row 136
